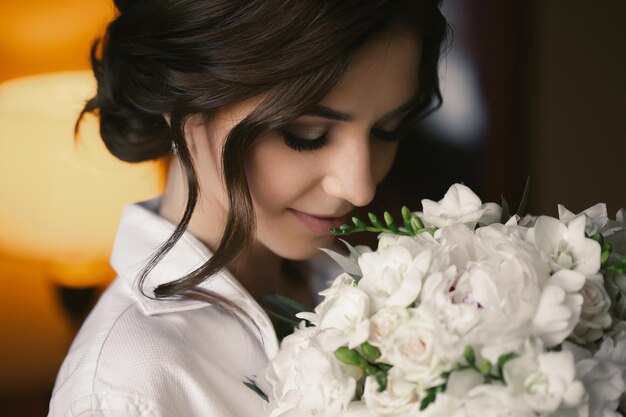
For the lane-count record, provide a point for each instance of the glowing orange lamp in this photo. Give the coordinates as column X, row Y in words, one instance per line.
column 39, row 36
column 61, row 201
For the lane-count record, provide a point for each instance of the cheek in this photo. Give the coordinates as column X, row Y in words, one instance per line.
column 273, row 178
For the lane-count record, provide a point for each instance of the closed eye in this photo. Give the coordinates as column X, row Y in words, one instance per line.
column 301, row 144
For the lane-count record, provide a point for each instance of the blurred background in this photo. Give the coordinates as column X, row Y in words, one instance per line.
column 531, row 88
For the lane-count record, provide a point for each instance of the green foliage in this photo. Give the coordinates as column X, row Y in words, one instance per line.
column 619, row 266
column 252, row 385
column 411, row 225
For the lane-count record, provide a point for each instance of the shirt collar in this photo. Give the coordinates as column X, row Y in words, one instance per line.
column 141, row 232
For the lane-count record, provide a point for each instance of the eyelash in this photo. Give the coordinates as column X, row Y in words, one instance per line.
column 309, row 145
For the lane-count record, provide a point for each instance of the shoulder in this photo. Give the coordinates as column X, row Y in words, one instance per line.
column 142, row 364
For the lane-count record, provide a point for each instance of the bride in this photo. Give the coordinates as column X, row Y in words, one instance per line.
column 280, row 117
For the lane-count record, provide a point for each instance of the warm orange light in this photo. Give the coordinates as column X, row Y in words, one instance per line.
column 60, row 202
column 39, row 36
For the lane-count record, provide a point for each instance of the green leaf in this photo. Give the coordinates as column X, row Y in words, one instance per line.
column 429, row 399
column 252, row 385
column 470, row 356
column 524, row 201
column 371, row 369
column 484, row 367
column 370, row 352
column 406, row 213
column 359, row 223
column 381, row 379
column 350, row 357
column 285, row 303
column 503, row 359
column 598, row 238
column 390, row 222
column 506, row 212
column 284, row 319
column 374, row 220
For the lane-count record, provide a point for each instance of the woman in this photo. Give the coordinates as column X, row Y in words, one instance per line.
column 283, row 117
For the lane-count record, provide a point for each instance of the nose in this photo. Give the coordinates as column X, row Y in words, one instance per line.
column 350, row 175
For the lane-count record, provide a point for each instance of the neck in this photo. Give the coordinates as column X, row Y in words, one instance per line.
column 258, row 269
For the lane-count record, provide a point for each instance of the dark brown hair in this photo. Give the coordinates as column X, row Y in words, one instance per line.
column 189, row 57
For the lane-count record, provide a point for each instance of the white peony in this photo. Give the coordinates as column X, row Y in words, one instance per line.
column 565, row 246
column 392, row 276
column 460, row 205
column 304, row 380
column 546, row 381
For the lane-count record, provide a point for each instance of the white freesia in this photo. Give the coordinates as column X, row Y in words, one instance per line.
column 460, row 205
column 565, row 246
column 304, row 380
column 595, row 316
column 603, row 375
column 392, row 277
column 329, row 294
column 596, row 217
column 399, row 397
column 559, row 308
column 344, row 320
column 546, row 381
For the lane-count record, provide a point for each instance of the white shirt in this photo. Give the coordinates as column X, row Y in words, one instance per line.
column 135, row 356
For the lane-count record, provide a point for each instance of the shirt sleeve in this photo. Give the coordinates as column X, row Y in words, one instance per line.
column 107, row 404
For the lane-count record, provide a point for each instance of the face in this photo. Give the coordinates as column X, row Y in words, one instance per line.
column 313, row 172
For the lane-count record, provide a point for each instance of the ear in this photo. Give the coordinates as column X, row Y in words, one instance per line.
column 168, row 118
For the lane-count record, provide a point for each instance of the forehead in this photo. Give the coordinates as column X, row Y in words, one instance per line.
column 382, row 75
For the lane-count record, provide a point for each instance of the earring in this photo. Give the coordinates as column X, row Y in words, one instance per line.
column 174, row 147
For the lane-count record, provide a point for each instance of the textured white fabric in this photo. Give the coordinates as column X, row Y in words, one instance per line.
column 135, row 356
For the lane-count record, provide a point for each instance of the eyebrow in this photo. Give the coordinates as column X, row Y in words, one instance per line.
column 332, row 114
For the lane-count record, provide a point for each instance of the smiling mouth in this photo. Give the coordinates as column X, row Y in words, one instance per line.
column 317, row 224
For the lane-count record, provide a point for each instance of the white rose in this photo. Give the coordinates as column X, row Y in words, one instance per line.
column 306, row 381
column 421, row 349
column 399, row 397
column 545, row 380
column 595, row 315
column 392, row 277
column 559, row 307
column 460, row 205
column 385, row 322
column 565, row 246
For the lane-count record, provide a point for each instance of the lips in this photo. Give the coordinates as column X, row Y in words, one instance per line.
column 319, row 225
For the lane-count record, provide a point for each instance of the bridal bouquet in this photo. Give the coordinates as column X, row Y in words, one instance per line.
column 464, row 310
